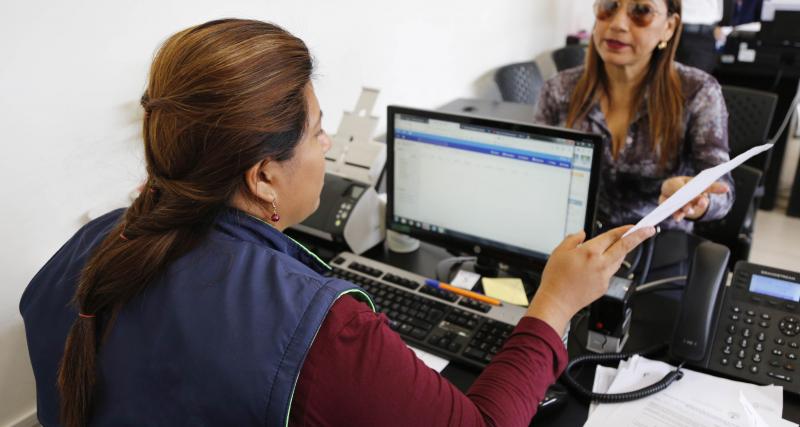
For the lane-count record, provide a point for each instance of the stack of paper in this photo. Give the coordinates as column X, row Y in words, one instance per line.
column 694, row 401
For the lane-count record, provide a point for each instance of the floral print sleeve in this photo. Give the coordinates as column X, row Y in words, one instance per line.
column 707, row 135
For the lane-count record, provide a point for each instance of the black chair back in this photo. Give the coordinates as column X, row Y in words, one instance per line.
column 519, row 82
column 569, row 57
column 749, row 118
column 735, row 230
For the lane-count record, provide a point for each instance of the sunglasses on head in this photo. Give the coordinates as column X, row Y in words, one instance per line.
column 640, row 13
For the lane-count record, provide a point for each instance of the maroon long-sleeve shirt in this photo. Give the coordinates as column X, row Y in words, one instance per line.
column 359, row 372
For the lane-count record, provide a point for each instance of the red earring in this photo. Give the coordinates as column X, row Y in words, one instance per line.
column 275, row 217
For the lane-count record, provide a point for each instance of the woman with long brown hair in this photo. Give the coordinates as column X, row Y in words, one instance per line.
column 191, row 307
column 662, row 122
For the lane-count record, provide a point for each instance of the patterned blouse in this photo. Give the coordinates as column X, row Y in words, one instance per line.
column 631, row 184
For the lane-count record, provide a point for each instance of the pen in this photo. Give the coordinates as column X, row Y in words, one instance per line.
column 463, row 292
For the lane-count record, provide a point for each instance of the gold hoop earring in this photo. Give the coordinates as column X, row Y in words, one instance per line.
column 662, row 45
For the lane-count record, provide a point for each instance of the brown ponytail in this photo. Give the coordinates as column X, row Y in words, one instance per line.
column 221, row 97
column 662, row 85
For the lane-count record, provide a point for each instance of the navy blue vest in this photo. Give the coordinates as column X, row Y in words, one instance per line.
column 218, row 339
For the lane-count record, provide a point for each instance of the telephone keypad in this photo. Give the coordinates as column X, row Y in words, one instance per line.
column 758, row 335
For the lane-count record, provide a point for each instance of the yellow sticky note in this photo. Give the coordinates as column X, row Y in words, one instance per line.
column 507, row 289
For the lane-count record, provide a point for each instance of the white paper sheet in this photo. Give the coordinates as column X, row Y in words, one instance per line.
column 603, row 377
column 694, row 188
column 697, row 400
column 432, row 361
column 465, row 279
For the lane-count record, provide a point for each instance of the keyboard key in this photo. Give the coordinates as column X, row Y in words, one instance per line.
column 420, row 324
column 454, row 347
column 419, row 333
column 439, row 293
column 474, row 353
column 475, row 305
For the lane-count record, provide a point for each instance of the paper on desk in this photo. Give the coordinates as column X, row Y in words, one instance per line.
column 756, row 419
column 694, row 188
column 603, row 377
column 465, row 280
column 506, row 289
column 432, row 361
column 694, row 401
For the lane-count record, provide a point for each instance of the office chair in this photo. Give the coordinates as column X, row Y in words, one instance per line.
column 569, row 57
column 749, row 118
column 735, row 230
column 520, row 82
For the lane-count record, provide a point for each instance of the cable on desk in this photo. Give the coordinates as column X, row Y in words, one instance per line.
column 629, row 267
column 649, row 247
column 573, row 384
column 659, row 284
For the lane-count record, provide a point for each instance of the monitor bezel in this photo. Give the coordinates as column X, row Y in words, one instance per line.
column 455, row 243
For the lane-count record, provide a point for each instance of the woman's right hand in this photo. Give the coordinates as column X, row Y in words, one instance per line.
column 578, row 273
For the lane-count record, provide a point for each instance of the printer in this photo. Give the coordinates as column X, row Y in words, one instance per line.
column 350, row 211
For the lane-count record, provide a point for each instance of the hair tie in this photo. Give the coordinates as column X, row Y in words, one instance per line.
column 145, row 101
column 87, row 316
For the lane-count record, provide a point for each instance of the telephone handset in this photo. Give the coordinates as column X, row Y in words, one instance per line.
column 693, row 329
column 748, row 331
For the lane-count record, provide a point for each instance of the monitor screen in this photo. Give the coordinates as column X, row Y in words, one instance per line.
column 501, row 189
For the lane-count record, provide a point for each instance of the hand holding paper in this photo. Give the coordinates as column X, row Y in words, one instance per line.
column 694, row 188
column 698, row 206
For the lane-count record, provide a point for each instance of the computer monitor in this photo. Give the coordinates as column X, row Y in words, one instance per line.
column 504, row 191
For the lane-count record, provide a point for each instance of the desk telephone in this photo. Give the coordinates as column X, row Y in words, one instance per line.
column 747, row 331
column 753, row 330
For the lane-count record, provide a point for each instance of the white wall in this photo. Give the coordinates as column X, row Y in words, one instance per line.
column 71, row 74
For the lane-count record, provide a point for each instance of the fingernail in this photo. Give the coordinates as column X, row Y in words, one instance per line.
column 690, row 211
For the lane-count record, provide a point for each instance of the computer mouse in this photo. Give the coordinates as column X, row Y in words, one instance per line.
column 554, row 397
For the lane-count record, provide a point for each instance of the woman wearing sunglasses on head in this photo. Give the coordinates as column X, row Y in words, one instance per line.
column 191, row 307
column 662, row 122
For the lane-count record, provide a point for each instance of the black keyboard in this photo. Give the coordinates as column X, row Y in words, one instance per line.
column 434, row 320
